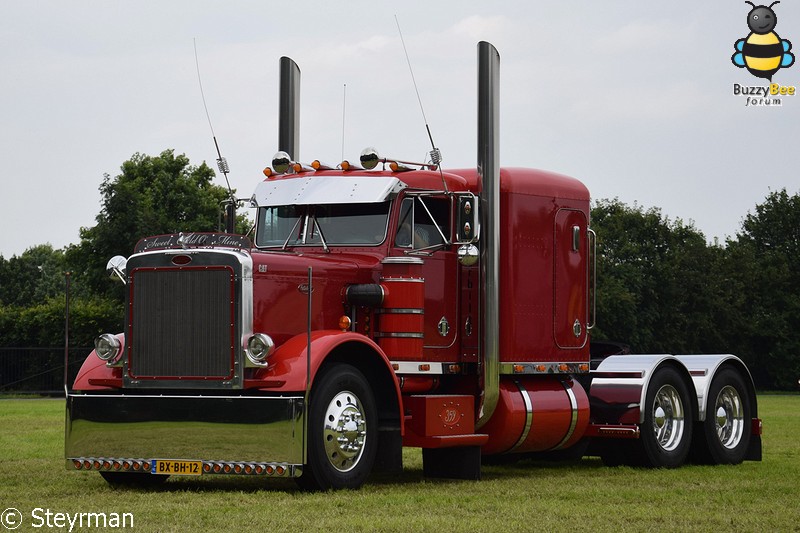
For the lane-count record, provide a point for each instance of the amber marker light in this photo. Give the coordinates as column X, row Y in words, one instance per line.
column 563, row 367
column 519, row 369
column 541, row 368
column 267, row 172
column 584, row 367
column 424, row 368
column 344, row 322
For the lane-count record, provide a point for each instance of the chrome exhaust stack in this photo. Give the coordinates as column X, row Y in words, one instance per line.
column 289, row 109
column 489, row 173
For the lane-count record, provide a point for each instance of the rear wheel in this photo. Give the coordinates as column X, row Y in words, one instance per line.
column 666, row 434
column 342, row 431
column 726, row 429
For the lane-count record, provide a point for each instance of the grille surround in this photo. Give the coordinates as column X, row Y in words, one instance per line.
column 184, row 324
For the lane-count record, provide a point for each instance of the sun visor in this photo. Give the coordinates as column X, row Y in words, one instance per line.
column 327, row 190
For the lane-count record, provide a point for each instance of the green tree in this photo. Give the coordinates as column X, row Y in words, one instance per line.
column 765, row 259
column 153, row 195
column 32, row 277
column 658, row 288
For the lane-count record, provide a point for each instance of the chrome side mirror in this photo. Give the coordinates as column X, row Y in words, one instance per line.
column 117, row 266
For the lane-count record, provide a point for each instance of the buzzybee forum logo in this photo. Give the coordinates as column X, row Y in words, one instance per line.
column 763, row 53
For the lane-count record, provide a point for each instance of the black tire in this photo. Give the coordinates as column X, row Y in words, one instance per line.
column 140, row 479
column 342, row 431
column 727, row 429
column 666, row 434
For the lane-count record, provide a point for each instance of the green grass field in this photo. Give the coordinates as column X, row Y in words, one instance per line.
column 582, row 496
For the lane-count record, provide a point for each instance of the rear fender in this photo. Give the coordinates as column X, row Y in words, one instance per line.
column 703, row 369
column 620, row 383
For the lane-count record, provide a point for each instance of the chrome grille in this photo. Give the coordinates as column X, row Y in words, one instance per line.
column 181, row 323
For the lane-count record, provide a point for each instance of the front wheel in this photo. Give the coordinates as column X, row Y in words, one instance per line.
column 666, row 434
column 342, row 431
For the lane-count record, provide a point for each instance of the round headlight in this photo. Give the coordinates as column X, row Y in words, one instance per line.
column 259, row 347
column 107, row 347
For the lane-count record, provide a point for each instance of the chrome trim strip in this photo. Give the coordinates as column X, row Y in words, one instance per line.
column 574, row 404
column 398, row 311
column 528, row 416
column 380, row 335
column 412, row 367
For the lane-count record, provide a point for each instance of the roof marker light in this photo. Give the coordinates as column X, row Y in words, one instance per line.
column 347, row 165
column 318, row 165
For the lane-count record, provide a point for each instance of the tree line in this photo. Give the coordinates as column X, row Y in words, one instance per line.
column 661, row 286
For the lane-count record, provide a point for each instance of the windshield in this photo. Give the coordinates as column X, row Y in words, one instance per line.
column 322, row 225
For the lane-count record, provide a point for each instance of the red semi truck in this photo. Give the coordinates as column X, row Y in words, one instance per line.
column 385, row 305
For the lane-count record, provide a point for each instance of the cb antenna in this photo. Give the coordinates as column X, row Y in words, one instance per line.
column 222, row 163
column 435, row 153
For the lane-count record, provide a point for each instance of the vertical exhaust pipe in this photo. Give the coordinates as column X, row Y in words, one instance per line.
column 489, row 174
column 289, row 109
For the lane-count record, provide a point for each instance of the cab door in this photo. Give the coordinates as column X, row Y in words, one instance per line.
column 424, row 230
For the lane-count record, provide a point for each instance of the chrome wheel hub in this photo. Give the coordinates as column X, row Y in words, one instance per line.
column 345, row 431
column 729, row 415
column 668, row 418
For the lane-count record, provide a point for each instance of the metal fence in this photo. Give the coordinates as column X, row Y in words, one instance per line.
column 38, row 370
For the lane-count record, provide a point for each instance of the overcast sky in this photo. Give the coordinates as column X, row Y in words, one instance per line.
column 634, row 98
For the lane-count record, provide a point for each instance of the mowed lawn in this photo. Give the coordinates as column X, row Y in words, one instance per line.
column 527, row 496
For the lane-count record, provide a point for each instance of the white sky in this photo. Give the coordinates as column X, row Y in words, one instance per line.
column 634, row 98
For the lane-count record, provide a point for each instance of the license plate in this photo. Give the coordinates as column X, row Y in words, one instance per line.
column 176, row 468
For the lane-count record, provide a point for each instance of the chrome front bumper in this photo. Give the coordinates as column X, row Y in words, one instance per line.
column 127, row 432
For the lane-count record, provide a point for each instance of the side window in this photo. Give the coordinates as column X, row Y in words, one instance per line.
column 424, row 223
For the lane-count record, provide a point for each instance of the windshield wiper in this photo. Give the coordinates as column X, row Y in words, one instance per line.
column 321, row 236
column 286, row 242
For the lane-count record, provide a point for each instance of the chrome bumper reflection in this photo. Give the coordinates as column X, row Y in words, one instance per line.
column 208, row 428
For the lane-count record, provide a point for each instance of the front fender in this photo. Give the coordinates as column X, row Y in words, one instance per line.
column 95, row 374
column 290, row 363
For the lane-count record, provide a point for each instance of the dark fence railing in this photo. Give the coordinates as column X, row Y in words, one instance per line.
column 38, row 370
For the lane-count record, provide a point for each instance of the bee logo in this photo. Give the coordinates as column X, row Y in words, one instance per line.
column 763, row 52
